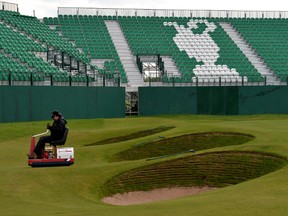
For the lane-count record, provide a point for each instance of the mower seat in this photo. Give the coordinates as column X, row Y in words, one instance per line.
column 61, row 141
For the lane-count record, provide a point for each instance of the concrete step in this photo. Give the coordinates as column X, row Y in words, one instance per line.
column 125, row 54
column 170, row 66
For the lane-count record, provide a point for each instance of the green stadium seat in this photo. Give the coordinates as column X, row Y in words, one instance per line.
column 268, row 37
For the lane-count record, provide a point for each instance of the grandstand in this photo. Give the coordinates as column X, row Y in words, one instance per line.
column 187, row 47
column 135, row 48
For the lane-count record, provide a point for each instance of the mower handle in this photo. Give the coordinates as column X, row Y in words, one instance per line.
column 37, row 135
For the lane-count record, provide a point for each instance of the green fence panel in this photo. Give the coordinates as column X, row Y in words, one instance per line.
column 203, row 100
column 263, row 99
column 217, row 100
column 30, row 103
column 167, row 100
column 232, row 100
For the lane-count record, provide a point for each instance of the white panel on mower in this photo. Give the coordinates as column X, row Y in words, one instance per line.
column 65, row 153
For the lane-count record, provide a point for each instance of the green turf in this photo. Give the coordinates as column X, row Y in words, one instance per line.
column 183, row 143
column 76, row 190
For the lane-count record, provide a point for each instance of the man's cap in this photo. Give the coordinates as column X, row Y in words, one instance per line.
column 55, row 113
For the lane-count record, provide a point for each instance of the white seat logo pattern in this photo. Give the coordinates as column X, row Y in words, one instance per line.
column 203, row 48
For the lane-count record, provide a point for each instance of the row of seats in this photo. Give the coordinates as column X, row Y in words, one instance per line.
column 54, row 21
column 269, row 38
column 21, row 37
column 18, row 76
column 22, row 48
column 33, row 27
column 78, row 30
column 14, row 76
column 161, row 35
column 211, row 79
column 156, row 35
column 91, row 34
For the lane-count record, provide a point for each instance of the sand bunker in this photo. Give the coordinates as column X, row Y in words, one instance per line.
column 140, row 197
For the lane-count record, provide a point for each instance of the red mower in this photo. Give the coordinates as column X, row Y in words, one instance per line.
column 52, row 155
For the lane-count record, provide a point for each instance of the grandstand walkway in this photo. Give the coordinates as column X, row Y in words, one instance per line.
column 134, row 76
column 170, row 66
column 250, row 54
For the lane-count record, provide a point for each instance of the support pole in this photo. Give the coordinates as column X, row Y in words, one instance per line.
column 62, row 57
column 70, row 64
column 31, row 79
column 51, row 80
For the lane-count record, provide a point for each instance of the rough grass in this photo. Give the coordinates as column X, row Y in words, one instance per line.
column 184, row 143
column 214, row 169
column 138, row 134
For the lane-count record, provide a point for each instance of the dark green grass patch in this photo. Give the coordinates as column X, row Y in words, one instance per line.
column 131, row 136
column 216, row 169
column 184, row 143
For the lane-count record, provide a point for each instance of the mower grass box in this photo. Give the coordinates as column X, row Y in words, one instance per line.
column 65, row 153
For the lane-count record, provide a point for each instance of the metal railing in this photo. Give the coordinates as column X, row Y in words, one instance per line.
column 33, row 79
column 153, row 79
column 150, row 79
column 170, row 12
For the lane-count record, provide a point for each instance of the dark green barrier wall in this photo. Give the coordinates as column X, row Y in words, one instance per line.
column 28, row 103
column 213, row 100
column 217, row 100
column 266, row 99
column 170, row 100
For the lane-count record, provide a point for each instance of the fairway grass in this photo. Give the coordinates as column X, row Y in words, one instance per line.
column 77, row 190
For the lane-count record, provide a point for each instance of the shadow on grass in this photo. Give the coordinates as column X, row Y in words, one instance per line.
column 131, row 136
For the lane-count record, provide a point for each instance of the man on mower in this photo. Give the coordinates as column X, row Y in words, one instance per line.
column 57, row 132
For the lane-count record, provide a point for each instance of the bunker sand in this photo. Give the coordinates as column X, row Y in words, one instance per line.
column 141, row 197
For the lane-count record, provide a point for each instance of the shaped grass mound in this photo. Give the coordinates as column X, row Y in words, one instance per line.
column 184, row 143
column 216, row 169
column 131, row 136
